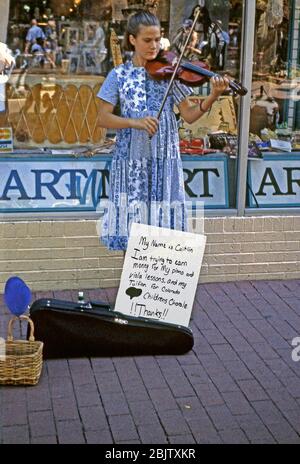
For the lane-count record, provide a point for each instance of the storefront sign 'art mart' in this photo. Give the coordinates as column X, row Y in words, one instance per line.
column 32, row 185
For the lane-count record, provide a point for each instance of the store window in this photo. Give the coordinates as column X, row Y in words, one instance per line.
column 64, row 50
column 274, row 163
column 218, row 44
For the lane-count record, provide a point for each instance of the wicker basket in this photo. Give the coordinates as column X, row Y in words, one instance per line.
column 23, row 360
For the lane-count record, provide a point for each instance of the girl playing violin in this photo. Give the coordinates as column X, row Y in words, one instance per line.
column 146, row 178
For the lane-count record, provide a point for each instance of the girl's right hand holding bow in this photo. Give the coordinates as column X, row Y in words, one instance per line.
column 149, row 124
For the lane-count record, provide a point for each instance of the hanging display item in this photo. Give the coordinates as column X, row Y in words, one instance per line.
column 274, row 13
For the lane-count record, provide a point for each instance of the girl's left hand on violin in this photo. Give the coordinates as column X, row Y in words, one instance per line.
column 218, row 85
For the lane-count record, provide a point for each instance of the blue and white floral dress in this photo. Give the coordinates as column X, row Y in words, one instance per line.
column 146, row 177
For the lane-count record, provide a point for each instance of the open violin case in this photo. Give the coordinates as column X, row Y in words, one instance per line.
column 94, row 329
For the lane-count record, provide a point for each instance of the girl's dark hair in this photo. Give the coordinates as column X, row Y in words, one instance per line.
column 141, row 18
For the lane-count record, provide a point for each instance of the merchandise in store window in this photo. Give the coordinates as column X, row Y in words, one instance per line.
column 254, row 151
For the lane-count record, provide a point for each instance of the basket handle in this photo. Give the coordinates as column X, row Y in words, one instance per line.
column 10, row 337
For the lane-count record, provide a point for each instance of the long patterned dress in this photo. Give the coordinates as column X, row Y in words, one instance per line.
column 146, row 177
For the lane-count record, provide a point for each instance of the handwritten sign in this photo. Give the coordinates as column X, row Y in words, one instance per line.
column 160, row 274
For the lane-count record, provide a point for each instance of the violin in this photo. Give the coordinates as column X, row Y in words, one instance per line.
column 193, row 74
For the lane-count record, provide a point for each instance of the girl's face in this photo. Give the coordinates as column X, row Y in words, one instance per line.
column 146, row 42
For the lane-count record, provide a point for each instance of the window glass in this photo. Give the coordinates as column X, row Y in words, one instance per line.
column 64, row 50
column 217, row 43
column 275, row 107
column 62, row 53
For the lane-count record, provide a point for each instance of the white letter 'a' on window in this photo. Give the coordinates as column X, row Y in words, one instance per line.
column 296, row 351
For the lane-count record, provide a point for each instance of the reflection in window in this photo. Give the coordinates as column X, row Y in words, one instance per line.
column 276, row 76
column 67, row 37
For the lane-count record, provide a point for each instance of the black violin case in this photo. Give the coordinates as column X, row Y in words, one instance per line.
column 94, row 329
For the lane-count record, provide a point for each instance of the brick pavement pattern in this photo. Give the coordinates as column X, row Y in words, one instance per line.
column 239, row 384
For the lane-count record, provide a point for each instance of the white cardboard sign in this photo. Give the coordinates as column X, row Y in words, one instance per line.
column 160, row 274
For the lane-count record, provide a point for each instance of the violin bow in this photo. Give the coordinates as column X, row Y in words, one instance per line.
column 197, row 13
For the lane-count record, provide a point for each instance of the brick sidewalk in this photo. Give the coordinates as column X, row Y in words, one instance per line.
column 238, row 385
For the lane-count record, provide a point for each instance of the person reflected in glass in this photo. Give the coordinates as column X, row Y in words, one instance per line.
column 35, row 32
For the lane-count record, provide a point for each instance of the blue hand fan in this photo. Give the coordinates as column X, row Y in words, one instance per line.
column 17, row 295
